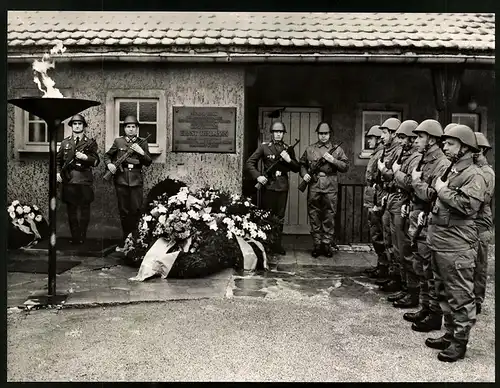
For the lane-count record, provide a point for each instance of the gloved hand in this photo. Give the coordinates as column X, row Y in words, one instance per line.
column 422, row 219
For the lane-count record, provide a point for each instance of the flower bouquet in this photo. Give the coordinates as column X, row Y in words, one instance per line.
column 194, row 234
column 27, row 225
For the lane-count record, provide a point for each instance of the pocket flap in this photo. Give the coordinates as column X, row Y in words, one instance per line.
column 464, row 264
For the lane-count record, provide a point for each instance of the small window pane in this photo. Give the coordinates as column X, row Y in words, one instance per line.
column 37, row 132
column 144, row 129
column 127, row 108
column 147, row 111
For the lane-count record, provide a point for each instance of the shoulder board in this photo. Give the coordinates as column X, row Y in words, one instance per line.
column 67, row 138
column 264, row 143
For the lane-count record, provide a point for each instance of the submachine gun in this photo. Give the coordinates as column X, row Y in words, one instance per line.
column 268, row 172
column 118, row 162
column 68, row 163
column 315, row 168
column 427, row 209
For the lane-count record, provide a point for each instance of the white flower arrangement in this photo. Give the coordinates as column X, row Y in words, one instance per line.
column 26, row 219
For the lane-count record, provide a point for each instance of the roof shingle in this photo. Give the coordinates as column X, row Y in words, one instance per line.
column 328, row 31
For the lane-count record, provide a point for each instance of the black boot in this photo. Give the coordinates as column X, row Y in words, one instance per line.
column 393, row 286
column 454, row 352
column 431, row 322
column 327, row 250
column 440, row 343
column 409, row 301
column 316, row 251
column 397, row 296
column 416, row 316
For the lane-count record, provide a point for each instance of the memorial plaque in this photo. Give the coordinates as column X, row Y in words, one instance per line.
column 204, row 129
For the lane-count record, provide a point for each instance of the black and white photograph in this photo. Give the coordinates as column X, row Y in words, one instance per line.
column 250, row 196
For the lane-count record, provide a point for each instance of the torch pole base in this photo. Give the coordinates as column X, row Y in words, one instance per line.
column 45, row 300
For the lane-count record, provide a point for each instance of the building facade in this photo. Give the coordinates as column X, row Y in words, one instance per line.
column 353, row 70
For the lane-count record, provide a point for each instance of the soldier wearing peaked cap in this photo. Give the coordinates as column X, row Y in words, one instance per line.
column 274, row 193
column 78, row 155
column 484, row 220
column 392, row 149
column 128, row 179
column 372, row 193
column 453, row 239
column 323, row 188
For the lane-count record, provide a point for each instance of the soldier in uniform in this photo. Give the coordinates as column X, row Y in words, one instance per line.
column 371, row 199
column 399, row 197
column 392, row 150
column 453, row 239
column 128, row 178
column 275, row 194
column 77, row 178
column 484, row 220
column 323, row 188
column 434, row 163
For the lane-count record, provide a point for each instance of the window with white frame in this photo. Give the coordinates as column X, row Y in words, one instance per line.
column 31, row 131
column 370, row 118
column 149, row 106
column 469, row 119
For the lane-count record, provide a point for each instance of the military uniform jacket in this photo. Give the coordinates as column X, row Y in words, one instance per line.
column 130, row 172
column 268, row 153
column 392, row 152
column 80, row 171
column 452, row 224
column 326, row 180
column 484, row 218
column 402, row 177
column 434, row 165
column 371, row 177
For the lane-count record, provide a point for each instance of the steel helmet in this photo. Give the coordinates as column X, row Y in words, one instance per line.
column 450, row 125
column 407, row 127
column 77, row 117
column 431, row 127
column 276, row 130
column 464, row 134
column 130, row 120
column 391, row 124
column 481, row 140
column 374, row 131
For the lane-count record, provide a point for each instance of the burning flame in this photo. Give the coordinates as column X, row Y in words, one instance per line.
column 40, row 69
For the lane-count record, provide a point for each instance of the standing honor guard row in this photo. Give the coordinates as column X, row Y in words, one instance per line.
column 436, row 221
column 124, row 162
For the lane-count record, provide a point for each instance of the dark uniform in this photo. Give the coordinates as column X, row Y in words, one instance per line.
column 274, row 194
column 484, row 222
column 453, row 239
column 322, row 190
column 77, row 180
column 429, row 317
column 128, row 180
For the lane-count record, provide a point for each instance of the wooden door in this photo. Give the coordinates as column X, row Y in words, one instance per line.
column 300, row 124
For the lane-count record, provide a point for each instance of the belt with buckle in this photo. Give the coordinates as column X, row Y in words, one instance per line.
column 324, row 174
column 131, row 166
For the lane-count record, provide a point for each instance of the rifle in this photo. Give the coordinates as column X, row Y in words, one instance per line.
column 268, row 171
column 407, row 202
column 427, row 210
column 118, row 162
column 315, row 168
column 378, row 182
column 68, row 163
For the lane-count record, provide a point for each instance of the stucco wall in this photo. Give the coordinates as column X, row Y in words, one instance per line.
column 184, row 86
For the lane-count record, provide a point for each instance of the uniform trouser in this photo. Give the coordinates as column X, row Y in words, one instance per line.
column 400, row 242
column 454, row 282
column 275, row 202
column 421, row 260
column 321, row 208
column 376, row 236
column 481, row 270
column 78, row 227
column 387, row 235
column 129, row 204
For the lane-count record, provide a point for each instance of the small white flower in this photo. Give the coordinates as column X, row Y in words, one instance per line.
column 12, row 215
column 19, row 210
column 184, row 216
column 148, row 218
column 26, row 209
column 21, row 221
column 31, row 216
column 207, row 217
column 229, row 235
column 38, row 218
column 162, row 219
column 213, row 225
column 278, row 173
column 35, row 208
column 162, row 209
column 247, row 204
column 11, row 209
column 222, row 209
